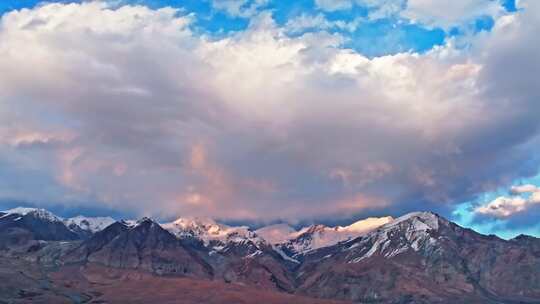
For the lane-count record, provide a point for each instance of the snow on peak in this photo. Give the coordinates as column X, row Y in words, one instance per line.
column 128, row 223
column 409, row 232
column 367, row 225
column 278, row 233
column 208, row 230
column 420, row 221
column 319, row 236
column 145, row 220
column 199, row 225
column 196, row 227
column 39, row 213
column 90, row 224
column 131, row 224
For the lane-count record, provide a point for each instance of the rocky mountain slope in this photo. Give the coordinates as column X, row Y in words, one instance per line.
column 423, row 258
column 144, row 245
column 417, row 258
column 21, row 225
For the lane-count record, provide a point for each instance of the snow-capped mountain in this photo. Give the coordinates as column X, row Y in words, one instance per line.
column 417, row 258
column 34, row 212
column 140, row 245
column 22, row 224
column 422, row 253
column 217, row 235
column 88, row 224
column 317, row 236
column 213, row 234
column 82, row 226
column 285, row 239
column 413, row 231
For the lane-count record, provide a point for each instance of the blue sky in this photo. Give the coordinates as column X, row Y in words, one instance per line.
column 389, row 35
column 264, row 110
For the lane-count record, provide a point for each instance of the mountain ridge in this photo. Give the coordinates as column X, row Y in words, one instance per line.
column 420, row 257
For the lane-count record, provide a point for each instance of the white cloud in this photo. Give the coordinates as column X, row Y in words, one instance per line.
column 319, row 22
column 377, row 9
column 443, row 14
column 504, row 207
column 380, row 9
column 239, row 8
column 528, row 188
column 334, row 5
column 447, row 14
column 128, row 108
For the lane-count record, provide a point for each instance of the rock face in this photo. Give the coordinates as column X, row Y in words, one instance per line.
column 144, row 246
column 417, row 258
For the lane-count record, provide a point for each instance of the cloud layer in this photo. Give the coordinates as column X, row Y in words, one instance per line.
column 505, row 207
column 129, row 108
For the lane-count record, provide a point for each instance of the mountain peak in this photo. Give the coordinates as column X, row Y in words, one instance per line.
column 195, row 220
column 525, row 237
column 314, row 228
column 144, row 221
column 320, row 236
column 412, row 231
column 39, row 223
column 197, row 226
column 37, row 212
column 90, row 224
column 209, row 230
column 418, row 221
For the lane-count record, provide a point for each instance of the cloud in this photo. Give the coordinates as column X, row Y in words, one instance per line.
column 449, row 14
column 504, row 207
column 319, row 22
column 333, row 5
column 524, row 189
column 239, row 8
column 520, row 209
column 377, row 9
column 128, row 108
column 444, row 15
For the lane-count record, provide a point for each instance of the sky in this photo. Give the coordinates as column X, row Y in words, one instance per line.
column 263, row 110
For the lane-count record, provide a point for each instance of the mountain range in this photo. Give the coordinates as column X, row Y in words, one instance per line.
column 420, row 257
